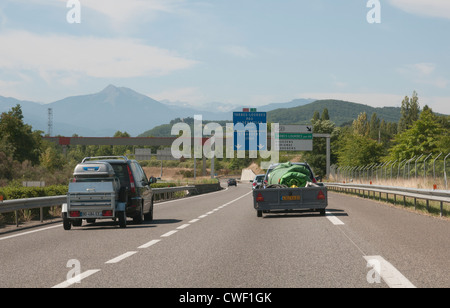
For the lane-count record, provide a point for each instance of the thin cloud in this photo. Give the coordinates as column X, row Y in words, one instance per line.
column 431, row 8
column 238, row 51
column 91, row 56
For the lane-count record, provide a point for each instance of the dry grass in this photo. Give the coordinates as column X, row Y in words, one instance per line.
column 420, row 183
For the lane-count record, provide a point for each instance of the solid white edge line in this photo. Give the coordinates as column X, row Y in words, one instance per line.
column 29, row 232
column 151, row 243
column 334, row 220
column 121, row 257
column 390, row 275
column 76, row 279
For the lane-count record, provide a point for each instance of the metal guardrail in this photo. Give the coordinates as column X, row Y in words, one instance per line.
column 8, row 206
column 441, row 196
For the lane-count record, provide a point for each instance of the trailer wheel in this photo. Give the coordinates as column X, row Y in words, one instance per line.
column 66, row 222
column 259, row 213
column 122, row 219
column 322, row 212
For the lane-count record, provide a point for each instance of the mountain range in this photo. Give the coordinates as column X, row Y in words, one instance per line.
column 122, row 109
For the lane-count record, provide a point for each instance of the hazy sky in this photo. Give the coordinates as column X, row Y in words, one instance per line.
column 236, row 52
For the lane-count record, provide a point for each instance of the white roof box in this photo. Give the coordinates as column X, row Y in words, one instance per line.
column 93, row 169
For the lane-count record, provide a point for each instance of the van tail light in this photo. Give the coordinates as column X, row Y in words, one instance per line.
column 259, row 198
column 132, row 184
column 321, row 195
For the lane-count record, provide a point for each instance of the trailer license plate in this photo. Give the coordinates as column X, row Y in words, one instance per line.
column 290, row 198
column 91, row 214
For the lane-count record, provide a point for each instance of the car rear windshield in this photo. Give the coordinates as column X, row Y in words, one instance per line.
column 121, row 172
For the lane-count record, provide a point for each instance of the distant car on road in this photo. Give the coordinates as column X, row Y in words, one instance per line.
column 232, row 182
column 258, row 181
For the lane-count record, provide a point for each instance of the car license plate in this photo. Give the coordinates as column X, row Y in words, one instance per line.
column 91, row 214
column 290, row 198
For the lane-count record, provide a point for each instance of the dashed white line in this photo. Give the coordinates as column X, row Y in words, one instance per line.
column 336, row 221
column 151, row 243
column 76, row 279
column 183, row 226
column 390, row 275
column 169, row 233
column 202, row 216
column 121, row 257
column 194, row 220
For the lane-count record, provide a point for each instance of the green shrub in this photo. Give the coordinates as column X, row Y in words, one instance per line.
column 14, row 192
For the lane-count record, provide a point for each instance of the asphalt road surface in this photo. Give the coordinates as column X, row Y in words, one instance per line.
column 217, row 241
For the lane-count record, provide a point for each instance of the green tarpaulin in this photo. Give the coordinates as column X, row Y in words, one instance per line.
column 289, row 174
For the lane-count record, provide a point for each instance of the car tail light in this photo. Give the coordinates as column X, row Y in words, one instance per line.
column 74, row 214
column 259, row 198
column 132, row 185
column 254, row 184
column 321, row 195
column 107, row 213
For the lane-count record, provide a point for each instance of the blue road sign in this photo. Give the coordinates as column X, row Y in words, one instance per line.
column 248, row 133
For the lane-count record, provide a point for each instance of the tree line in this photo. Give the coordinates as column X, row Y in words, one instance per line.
column 371, row 141
column 24, row 154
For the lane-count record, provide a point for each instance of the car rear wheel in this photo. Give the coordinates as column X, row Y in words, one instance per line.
column 139, row 218
column 149, row 215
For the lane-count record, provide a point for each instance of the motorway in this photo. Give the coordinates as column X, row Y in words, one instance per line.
column 217, row 241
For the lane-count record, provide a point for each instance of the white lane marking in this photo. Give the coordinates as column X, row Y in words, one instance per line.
column 183, row 226
column 209, row 213
column 151, row 243
column 194, row 220
column 193, row 197
column 202, row 216
column 29, row 232
column 121, row 257
column 169, row 233
column 336, row 221
column 390, row 275
column 232, row 201
column 76, row 279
